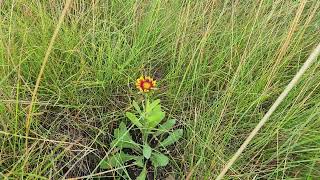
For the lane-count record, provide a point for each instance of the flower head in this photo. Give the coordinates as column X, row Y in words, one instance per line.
column 145, row 83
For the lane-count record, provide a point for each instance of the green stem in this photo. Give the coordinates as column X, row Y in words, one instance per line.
column 145, row 131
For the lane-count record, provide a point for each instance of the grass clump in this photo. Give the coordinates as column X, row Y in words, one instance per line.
column 220, row 65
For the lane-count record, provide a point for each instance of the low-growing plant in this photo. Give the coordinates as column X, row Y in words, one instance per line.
column 156, row 135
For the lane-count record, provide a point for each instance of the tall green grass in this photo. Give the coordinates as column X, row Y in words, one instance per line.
column 220, row 65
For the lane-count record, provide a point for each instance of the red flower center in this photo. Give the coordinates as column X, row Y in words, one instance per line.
column 146, row 85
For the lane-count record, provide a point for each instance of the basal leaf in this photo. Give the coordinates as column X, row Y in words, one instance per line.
column 159, row 159
column 139, row 161
column 147, row 151
column 116, row 160
column 123, row 139
column 172, row 138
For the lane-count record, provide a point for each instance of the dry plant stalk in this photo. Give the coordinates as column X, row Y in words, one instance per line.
column 44, row 62
column 312, row 58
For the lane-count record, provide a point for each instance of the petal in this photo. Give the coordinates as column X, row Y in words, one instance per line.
column 140, row 79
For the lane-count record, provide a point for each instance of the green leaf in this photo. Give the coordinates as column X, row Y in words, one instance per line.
column 143, row 174
column 165, row 127
column 147, row 108
column 155, row 117
column 116, row 160
column 154, row 104
column 172, row 138
column 159, row 159
column 133, row 119
column 123, row 139
column 139, row 161
column 136, row 106
column 147, row 151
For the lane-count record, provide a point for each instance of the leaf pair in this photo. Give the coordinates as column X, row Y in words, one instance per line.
column 151, row 117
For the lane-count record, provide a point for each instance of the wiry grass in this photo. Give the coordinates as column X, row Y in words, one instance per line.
column 220, row 66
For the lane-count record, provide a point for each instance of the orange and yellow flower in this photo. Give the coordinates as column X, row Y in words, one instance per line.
column 145, row 83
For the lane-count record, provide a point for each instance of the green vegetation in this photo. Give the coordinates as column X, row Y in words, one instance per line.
column 220, row 65
column 153, row 137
